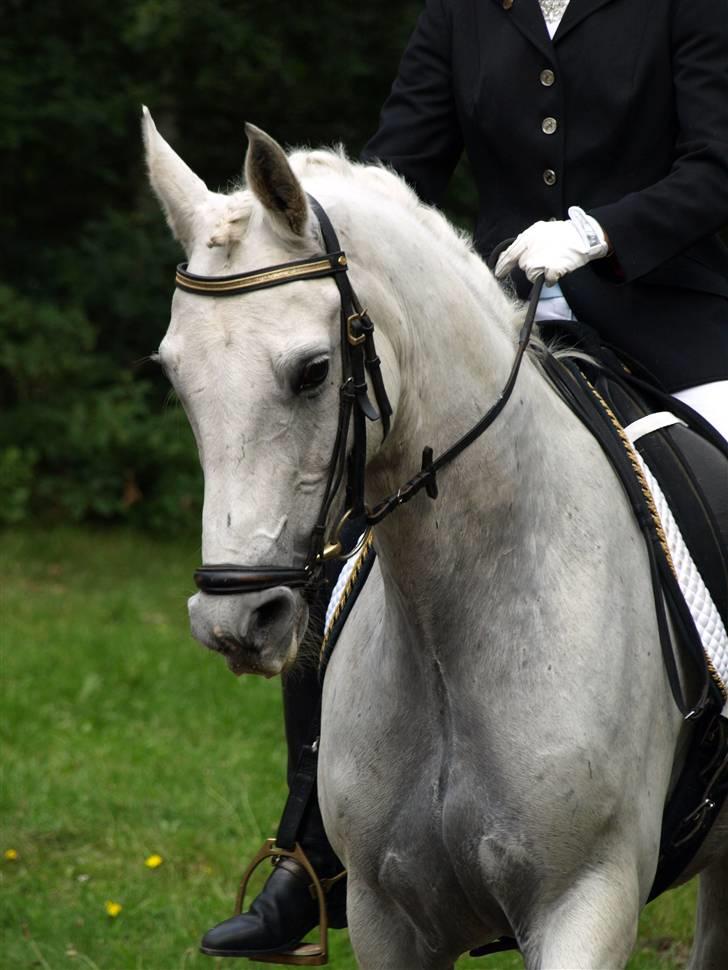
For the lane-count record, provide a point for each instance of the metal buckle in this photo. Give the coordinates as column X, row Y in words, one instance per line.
column 305, row 954
column 697, row 816
column 334, row 550
column 352, row 338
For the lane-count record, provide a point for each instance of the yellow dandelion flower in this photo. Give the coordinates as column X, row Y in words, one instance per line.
column 11, row 854
column 113, row 909
column 154, row 861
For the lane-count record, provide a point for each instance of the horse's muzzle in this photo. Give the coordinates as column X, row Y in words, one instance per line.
column 257, row 633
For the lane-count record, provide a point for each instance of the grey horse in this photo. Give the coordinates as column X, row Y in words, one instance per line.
column 498, row 733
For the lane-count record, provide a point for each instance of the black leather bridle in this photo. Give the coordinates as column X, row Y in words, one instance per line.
column 358, row 359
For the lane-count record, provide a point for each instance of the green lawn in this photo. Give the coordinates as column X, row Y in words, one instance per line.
column 122, row 738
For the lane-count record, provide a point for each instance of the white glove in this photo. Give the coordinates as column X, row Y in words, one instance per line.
column 555, row 248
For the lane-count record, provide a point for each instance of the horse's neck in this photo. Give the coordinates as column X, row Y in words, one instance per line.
column 492, row 526
column 498, row 506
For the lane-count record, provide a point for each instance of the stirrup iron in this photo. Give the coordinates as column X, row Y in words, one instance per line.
column 305, row 954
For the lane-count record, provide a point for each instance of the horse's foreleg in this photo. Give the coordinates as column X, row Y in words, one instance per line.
column 381, row 936
column 593, row 925
column 710, row 949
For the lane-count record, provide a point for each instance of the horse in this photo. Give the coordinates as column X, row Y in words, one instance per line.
column 498, row 735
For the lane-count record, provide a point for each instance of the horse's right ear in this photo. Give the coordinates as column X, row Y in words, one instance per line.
column 179, row 190
column 273, row 182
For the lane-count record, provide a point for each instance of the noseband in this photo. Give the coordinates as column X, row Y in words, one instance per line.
column 358, row 359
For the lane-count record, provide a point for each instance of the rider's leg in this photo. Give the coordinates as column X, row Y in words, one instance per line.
column 301, row 699
column 285, row 910
column 711, row 401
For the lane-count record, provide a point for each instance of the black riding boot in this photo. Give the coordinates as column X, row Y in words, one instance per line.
column 285, row 910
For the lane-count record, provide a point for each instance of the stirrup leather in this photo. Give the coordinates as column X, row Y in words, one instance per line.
column 305, row 954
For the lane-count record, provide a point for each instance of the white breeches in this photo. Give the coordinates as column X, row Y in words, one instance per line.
column 710, row 401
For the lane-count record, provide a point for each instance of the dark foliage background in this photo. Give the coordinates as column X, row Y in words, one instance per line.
column 87, row 428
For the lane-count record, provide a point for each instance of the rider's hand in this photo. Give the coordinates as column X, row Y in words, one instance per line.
column 555, row 248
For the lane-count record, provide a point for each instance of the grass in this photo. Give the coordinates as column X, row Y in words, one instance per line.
column 122, row 738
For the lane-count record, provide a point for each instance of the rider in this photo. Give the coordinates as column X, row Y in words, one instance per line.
column 597, row 133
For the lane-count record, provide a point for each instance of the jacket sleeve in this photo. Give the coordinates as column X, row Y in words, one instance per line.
column 419, row 133
column 649, row 227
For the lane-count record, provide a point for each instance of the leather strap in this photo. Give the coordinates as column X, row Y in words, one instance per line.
column 359, row 359
column 326, row 264
column 426, row 477
column 299, row 793
column 227, row 579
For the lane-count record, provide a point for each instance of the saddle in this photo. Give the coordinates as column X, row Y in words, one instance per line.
column 674, row 468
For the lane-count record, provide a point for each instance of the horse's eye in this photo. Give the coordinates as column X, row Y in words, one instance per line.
column 312, row 375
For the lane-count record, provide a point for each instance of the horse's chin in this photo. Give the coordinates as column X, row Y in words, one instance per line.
column 243, row 660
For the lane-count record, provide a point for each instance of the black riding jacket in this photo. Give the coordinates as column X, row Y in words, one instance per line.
column 624, row 113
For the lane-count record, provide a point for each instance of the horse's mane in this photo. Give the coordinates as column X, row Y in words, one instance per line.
column 381, row 180
column 310, row 163
column 455, row 244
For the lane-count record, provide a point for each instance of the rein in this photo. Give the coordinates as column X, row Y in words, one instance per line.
column 359, row 359
column 426, row 477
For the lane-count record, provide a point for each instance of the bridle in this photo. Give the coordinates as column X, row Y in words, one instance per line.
column 358, row 359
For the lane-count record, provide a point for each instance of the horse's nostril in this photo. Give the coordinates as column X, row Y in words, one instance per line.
column 274, row 613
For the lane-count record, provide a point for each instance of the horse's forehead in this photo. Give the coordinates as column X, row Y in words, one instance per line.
column 283, row 320
column 233, row 235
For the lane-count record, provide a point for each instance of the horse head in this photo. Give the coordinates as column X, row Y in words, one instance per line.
column 258, row 374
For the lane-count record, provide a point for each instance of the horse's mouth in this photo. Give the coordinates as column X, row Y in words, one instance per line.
column 242, row 659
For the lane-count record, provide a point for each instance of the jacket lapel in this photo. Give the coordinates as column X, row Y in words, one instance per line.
column 577, row 11
column 527, row 17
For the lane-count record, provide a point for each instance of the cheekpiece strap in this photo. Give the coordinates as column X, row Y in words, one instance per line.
column 328, row 264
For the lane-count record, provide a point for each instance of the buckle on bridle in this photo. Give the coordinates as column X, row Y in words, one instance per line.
column 334, row 550
column 354, row 340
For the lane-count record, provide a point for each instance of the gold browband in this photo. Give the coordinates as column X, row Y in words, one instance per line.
column 303, row 269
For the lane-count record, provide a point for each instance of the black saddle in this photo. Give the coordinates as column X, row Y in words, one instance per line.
column 689, row 459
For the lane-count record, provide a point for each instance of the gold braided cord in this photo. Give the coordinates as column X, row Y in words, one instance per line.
column 657, row 521
column 640, row 476
column 716, row 676
column 257, row 279
column 348, row 588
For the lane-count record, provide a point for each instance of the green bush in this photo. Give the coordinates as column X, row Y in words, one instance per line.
column 85, row 433
column 80, row 436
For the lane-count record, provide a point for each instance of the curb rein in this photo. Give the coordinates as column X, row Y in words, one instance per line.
column 358, row 358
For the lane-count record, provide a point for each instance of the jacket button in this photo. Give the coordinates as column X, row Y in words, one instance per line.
column 549, row 126
column 549, row 177
column 547, row 77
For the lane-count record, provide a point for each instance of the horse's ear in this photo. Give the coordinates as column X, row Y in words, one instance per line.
column 272, row 181
column 176, row 186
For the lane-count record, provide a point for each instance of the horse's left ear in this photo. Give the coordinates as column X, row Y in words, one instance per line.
column 272, row 181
